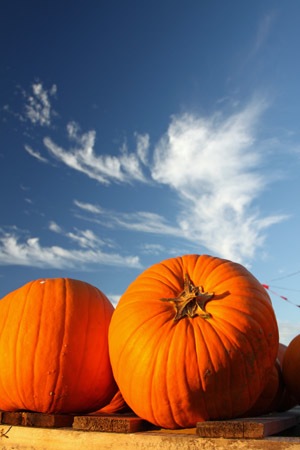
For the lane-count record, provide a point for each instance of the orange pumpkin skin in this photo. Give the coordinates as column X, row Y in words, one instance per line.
column 175, row 373
column 117, row 405
column 54, row 347
column 275, row 396
column 287, row 401
column 270, row 396
column 291, row 368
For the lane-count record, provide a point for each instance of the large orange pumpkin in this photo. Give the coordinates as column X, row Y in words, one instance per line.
column 193, row 338
column 54, row 347
column 291, row 368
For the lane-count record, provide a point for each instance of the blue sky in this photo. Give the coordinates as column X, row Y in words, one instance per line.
column 134, row 131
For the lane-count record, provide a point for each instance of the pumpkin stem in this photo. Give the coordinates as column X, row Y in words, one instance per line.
column 191, row 301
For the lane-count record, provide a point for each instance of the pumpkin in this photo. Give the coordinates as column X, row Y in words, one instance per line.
column 116, row 405
column 193, row 338
column 54, row 347
column 291, row 368
column 287, row 401
column 275, row 396
column 270, row 396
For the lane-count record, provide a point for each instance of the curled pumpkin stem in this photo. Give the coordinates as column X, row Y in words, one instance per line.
column 191, row 301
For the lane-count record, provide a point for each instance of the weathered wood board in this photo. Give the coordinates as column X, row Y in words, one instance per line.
column 122, row 423
column 249, row 428
column 26, row 438
column 33, row 419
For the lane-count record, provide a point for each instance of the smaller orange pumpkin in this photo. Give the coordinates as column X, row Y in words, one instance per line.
column 54, row 347
column 291, row 367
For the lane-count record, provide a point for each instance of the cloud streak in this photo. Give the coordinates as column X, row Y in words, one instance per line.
column 29, row 252
column 35, row 154
column 83, row 238
column 139, row 221
column 126, row 168
column 88, row 207
column 263, row 32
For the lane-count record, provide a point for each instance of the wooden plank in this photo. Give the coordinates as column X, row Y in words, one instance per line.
column 268, row 426
column 116, row 423
column 33, row 419
column 12, row 418
column 47, row 420
column 25, row 438
column 220, row 429
column 249, row 428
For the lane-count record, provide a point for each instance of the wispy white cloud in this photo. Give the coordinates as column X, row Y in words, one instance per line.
column 15, row 250
column 24, row 188
column 167, row 251
column 88, row 207
column 153, row 249
column 264, row 29
column 125, row 168
column 142, row 147
column 53, row 226
column 84, row 238
column 142, row 221
column 38, row 108
column 259, row 40
column 35, row 154
column 214, row 166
